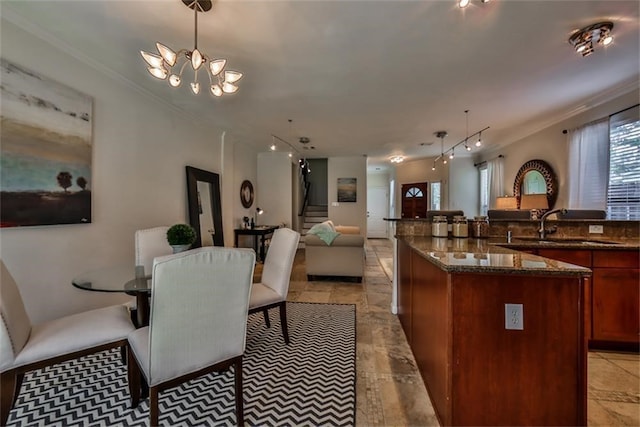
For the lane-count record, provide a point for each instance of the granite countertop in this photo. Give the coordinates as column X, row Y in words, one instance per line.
column 487, row 256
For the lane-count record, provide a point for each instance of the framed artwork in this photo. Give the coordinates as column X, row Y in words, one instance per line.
column 347, row 189
column 46, row 131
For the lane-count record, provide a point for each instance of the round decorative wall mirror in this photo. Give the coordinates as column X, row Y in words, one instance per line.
column 246, row 193
column 536, row 177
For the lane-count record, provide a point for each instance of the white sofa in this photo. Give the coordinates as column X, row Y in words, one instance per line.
column 344, row 257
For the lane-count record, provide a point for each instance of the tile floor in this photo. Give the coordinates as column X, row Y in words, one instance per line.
column 390, row 391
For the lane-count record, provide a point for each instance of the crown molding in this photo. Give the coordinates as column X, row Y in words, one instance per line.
column 603, row 97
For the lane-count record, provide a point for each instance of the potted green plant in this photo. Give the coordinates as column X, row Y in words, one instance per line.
column 181, row 237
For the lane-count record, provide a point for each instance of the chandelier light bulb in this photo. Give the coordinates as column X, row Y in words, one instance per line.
column 167, row 54
column 463, row 3
column 196, row 59
column 229, row 88
column 158, row 73
column 153, row 60
column 232, row 76
column 216, row 90
column 174, row 80
column 607, row 40
column 195, row 87
column 216, row 66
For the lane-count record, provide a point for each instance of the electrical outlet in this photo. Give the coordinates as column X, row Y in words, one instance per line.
column 514, row 316
column 596, row 229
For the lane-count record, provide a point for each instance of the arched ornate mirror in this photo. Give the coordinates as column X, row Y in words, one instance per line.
column 536, row 177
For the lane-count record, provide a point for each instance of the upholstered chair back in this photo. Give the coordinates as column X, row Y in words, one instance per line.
column 16, row 325
column 199, row 308
column 279, row 261
column 151, row 243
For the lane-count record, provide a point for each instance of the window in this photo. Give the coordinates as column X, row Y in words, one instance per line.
column 434, row 204
column 623, row 195
column 413, row 192
column 484, row 189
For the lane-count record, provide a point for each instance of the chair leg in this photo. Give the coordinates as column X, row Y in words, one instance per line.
column 123, row 354
column 237, row 367
column 7, row 391
column 19, row 380
column 133, row 376
column 283, row 321
column 153, row 406
column 265, row 313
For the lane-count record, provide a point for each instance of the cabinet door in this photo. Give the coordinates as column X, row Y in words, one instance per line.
column 615, row 304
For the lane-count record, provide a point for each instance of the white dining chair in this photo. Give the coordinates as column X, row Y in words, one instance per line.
column 25, row 347
column 199, row 308
column 150, row 243
column 272, row 290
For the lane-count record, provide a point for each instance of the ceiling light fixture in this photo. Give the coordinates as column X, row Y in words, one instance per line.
column 162, row 65
column 582, row 40
column 451, row 151
column 396, row 159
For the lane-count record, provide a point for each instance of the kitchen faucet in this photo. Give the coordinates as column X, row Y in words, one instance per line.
column 541, row 231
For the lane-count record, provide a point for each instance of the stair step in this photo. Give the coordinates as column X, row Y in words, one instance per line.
column 316, row 213
column 317, row 208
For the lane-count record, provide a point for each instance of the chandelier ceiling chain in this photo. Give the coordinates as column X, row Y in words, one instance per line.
column 161, row 65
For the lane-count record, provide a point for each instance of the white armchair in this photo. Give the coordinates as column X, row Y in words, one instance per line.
column 25, row 347
column 271, row 291
column 199, row 308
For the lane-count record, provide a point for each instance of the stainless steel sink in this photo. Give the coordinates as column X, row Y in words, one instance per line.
column 567, row 241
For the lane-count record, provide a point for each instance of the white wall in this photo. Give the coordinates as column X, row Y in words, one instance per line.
column 420, row 171
column 348, row 213
column 140, row 149
column 464, row 186
column 274, row 188
column 551, row 145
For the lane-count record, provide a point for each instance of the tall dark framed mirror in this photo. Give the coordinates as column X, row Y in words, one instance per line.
column 205, row 209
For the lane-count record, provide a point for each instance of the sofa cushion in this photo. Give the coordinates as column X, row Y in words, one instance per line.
column 347, row 229
column 341, row 240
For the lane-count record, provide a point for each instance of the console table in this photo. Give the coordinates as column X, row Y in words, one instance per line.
column 261, row 231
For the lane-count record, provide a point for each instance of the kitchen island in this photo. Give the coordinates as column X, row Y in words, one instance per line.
column 498, row 335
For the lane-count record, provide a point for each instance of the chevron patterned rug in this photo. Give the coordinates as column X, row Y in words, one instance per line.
column 310, row 382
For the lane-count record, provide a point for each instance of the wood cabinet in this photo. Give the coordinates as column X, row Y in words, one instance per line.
column 614, row 303
column 477, row 371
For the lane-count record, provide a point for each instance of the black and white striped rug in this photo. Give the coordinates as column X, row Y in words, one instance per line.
column 309, row 382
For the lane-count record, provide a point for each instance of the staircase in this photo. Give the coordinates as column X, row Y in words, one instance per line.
column 313, row 215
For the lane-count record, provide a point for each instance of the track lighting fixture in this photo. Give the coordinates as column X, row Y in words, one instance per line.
column 583, row 39
column 450, row 153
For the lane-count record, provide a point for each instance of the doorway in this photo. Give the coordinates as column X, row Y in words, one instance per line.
column 377, row 209
column 414, row 200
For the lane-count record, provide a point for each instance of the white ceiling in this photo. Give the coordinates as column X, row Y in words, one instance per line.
column 373, row 78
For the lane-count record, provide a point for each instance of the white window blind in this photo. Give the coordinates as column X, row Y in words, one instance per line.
column 623, row 196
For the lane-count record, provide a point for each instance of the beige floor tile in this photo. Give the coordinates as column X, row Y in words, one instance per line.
column 630, row 366
column 603, row 413
column 310, row 296
column 605, row 375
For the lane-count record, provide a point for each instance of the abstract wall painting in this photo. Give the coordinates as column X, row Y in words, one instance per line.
column 45, row 161
column 347, row 189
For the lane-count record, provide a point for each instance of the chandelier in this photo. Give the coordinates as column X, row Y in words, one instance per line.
column 170, row 65
column 582, row 40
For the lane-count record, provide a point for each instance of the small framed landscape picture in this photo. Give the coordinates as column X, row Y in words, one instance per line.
column 347, row 189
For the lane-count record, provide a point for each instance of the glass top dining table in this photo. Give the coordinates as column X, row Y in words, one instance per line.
column 120, row 278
